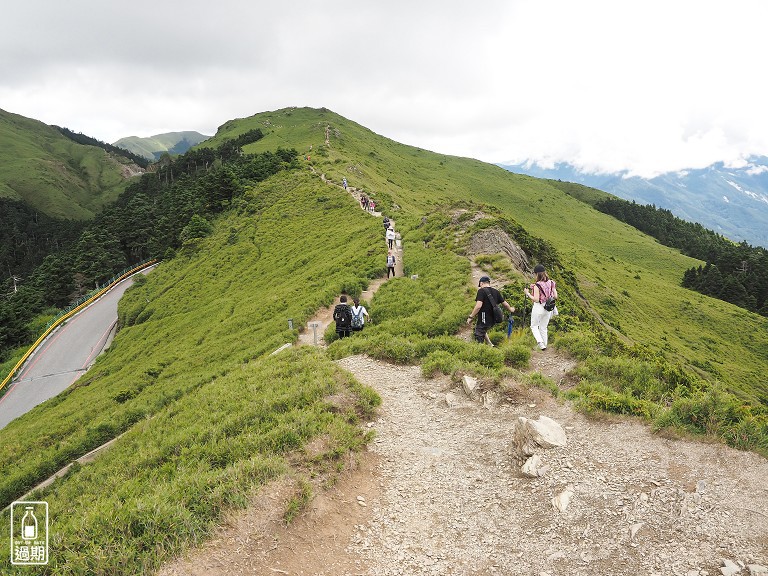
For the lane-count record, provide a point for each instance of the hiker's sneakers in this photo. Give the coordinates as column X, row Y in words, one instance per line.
column 542, row 346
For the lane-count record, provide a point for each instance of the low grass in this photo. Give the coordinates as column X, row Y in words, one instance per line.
column 46, row 170
column 209, row 415
column 627, row 278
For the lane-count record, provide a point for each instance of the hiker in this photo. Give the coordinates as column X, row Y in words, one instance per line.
column 371, row 206
column 358, row 315
column 541, row 290
column 342, row 315
column 390, row 236
column 364, row 202
column 487, row 297
column 386, row 223
column 344, row 183
column 390, row 264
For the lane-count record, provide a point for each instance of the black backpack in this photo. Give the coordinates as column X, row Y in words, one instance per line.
column 342, row 314
column 498, row 315
column 549, row 303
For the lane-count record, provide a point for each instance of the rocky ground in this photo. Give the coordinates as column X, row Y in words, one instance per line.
column 439, row 493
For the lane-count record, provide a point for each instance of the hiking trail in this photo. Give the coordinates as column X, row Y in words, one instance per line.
column 312, row 332
column 437, row 493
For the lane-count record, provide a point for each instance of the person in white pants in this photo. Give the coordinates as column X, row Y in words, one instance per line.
column 542, row 289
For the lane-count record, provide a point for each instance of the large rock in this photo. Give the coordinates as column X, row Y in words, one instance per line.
column 528, row 436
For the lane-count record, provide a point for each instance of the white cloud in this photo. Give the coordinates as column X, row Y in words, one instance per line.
column 502, row 80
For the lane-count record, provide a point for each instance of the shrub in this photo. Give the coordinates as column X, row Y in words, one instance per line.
column 516, row 355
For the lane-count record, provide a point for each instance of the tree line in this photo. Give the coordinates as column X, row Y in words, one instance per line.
column 59, row 261
column 81, row 138
column 736, row 273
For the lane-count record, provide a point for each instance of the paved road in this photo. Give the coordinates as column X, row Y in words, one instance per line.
column 64, row 356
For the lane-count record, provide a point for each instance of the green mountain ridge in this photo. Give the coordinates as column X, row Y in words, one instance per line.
column 152, row 147
column 51, row 173
column 209, row 415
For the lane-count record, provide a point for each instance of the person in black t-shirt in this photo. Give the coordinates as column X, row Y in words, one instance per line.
column 486, row 297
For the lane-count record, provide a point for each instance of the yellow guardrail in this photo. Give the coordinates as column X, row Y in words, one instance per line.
column 67, row 315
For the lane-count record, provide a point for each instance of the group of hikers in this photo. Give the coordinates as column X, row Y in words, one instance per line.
column 348, row 318
column 489, row 301
column 367, row 204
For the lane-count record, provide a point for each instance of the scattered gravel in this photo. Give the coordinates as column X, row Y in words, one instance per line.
column 452, row 501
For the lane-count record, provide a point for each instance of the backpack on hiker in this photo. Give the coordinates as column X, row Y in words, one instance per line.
column 549, row 301
column 342, row 315
column 498, row 315
column 357, row 319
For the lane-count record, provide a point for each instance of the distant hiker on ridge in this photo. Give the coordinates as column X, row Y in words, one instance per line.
column 390, row 236
column 344, row 183
column 390, row 264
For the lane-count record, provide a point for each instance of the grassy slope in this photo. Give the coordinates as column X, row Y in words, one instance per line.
column 629, row 279
column 189, row 375
column 49, row 172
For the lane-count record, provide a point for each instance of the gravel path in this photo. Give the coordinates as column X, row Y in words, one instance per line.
column 454, row 503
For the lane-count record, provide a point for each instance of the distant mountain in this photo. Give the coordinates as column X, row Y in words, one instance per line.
column 730, row 201
column 51, row 173
column 153, row 147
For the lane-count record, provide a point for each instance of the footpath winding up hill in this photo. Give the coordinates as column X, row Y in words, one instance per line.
column 439, row 492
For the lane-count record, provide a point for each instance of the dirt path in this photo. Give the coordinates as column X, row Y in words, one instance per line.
column 440, row 495
column 312, row 333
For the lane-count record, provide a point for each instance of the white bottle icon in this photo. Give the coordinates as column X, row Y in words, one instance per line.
column 29, row 524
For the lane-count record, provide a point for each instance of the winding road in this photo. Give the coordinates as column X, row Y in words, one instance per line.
column 64, row 356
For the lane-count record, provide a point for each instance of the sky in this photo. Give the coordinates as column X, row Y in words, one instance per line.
column 644, row 87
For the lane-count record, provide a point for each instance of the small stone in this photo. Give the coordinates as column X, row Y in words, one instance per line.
column 729, row 568
column 634, row 529
column 561, row 501
column 451, row 400
column 532, row 466
column 470, row 384
column 757, row 570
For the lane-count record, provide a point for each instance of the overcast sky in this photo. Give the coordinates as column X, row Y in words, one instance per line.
column 648, row 86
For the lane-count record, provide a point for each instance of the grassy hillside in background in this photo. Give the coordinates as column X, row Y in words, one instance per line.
column 630, row 280
column 53, row 174
column 209, row 416
column 152, row 147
